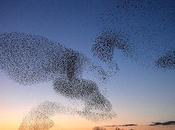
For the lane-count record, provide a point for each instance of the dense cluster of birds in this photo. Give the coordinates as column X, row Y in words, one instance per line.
column 105, row 45
column 166, row 61
column 30, row 59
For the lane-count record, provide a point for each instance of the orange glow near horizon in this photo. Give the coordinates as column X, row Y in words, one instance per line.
column 11, row 118
column 13, row 113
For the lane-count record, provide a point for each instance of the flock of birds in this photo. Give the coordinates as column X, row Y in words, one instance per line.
column 30, row 59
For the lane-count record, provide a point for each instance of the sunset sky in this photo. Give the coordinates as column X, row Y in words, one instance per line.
column 140, row 93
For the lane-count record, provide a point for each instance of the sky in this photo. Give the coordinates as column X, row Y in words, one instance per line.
column 139, row 92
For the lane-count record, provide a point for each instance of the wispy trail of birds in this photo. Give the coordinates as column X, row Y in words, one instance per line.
column 39, row 118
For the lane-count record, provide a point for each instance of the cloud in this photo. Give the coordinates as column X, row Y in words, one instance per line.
column 126, row 125
column 163, row 123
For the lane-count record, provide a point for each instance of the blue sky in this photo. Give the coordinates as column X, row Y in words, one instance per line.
column 139, row 92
